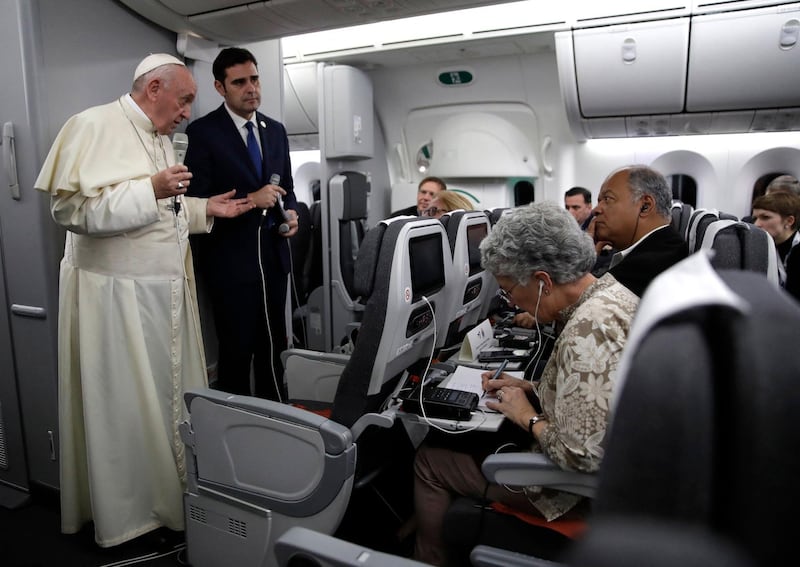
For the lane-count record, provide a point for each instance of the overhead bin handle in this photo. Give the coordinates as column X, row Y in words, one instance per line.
column 789, row 33
column 629, row 51
column 10, row 159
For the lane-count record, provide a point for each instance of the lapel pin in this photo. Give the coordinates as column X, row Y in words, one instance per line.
column 263, row 124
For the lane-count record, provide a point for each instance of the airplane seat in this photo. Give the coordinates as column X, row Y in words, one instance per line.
column 712, row 433
column 301, row 547
column 698, row 222
column 681, row 213
column 743, row 246
column 310, row 281
column 465, row 231
column 332, row 305
column 491, row 287
column 313, row 377
column 257, row 467
column 312, row 270
column 405, row 279
column 495, row 214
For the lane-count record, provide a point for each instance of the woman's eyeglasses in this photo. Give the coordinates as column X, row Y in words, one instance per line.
column 505, row 295
column 433, row 211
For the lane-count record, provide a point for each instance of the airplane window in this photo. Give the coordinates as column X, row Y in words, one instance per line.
column 684, row 188
column 760, row 186
column 523, row 193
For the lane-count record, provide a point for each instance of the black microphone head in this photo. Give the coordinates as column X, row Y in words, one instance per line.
column 180, row 143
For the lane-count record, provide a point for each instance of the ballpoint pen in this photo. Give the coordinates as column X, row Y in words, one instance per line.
column 500, row 369
column 498, row 372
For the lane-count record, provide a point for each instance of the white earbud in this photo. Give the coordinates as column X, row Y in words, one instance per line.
column 541, row 286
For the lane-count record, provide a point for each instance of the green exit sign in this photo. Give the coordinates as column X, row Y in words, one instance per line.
column 453, row 78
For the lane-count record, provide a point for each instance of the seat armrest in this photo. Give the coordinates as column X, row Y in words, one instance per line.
column 337, row 437
column 300, row 542
column 311, row 375
column 487, row 556
column 385, row 420
column 528, row 469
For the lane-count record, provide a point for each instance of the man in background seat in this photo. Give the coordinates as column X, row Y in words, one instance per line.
column 633, row 216
column 427, row 189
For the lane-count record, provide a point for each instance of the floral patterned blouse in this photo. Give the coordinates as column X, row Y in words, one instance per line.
column 577, row 384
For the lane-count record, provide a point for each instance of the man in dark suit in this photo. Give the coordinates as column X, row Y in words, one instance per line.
column 578, row 201
column 427, row 189
column 633, row 216
column 244, row 262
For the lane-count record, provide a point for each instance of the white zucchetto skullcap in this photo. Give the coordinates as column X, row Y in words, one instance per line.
column 153, row 61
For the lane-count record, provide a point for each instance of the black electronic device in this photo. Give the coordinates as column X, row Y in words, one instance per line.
column 443, row 403
column 517, row 342
column 501, row 354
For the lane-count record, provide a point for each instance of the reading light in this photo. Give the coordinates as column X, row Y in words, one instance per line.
column 424, row 155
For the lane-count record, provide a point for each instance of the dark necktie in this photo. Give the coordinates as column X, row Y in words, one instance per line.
column 252, row 148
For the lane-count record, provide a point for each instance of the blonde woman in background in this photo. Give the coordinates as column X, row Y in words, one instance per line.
column 445, row 202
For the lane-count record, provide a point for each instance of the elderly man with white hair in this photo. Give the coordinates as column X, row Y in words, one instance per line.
column 129, row 339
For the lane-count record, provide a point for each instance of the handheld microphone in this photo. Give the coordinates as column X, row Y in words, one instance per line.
column 180, row 143
column 275, row 179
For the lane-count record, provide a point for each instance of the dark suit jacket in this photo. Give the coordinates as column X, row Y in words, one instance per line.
column 408, row 211
column 653, row 255
column 217, row 157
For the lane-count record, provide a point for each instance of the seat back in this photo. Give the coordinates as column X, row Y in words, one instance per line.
column 490, row 288
column 697, row 425
column 255, row 468
column 698, row 222
column 681, row 213
column 741, row 246
column 465, row 231
column 495, row 214
column 339, row 227
column 404, row 279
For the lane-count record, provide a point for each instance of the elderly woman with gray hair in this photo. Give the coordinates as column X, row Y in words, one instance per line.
column 542, row 261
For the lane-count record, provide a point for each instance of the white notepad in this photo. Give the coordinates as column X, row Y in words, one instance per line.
column 469, row 380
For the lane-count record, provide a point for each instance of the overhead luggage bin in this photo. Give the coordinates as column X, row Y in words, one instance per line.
column 760, row 44
column 632, row 69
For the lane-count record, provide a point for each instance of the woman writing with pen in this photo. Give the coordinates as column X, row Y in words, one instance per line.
column 542, row 262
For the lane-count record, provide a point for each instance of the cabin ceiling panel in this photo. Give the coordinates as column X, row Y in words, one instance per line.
column 443, row 52
column 237, row 21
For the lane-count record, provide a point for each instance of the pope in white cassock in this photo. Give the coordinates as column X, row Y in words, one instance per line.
column 129, row 335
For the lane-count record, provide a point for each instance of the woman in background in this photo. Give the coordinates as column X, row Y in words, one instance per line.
column 446, row 202
column 778, row 213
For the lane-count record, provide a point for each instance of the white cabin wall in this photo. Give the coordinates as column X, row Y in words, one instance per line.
column 725, row 167
column 528, row 79
column 90, row 50
column 543, row 94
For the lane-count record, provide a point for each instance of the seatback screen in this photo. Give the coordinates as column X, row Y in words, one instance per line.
column 427, row 265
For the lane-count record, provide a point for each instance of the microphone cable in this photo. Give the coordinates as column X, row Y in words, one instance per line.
column 266, row 309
